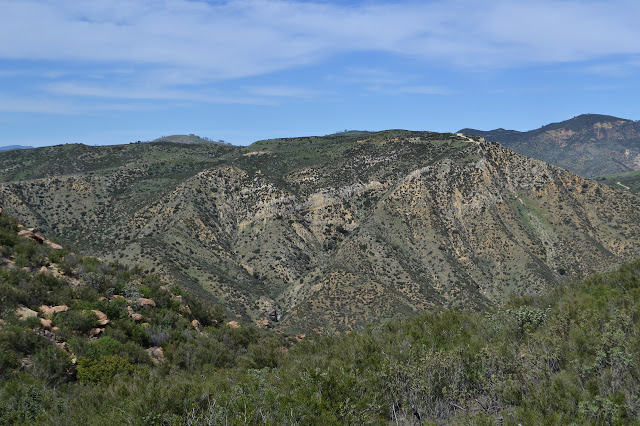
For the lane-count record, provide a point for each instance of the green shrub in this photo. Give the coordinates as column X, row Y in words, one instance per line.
column 28, row 253
column 103, row 369
column 199, row 351
column 8, row 238
column 102, row 347
column 126, row 329
column 8, row 361
column 75, row 322
column 22, row 401
column 21, row 340
column 9, row 224
column 52, row 365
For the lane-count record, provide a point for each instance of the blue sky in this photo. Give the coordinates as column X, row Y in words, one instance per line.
column 116, row 71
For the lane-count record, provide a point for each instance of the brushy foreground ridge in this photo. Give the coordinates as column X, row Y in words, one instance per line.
column 327, row 233
column 86, row 342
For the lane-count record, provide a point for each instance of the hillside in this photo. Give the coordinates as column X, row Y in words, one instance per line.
column 626, row 181
column 328, row 232
column 84, row 342
column 590, row 145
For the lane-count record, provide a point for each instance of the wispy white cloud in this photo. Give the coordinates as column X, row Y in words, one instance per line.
column 249, row 37
column 147, row 93
column 425, row 90
column 15, row 104
column 170, row 49
column 620, row 69
column 284, row 92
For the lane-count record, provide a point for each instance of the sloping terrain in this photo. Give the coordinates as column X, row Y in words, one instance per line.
column 590, row 145
column 83, row 342
column 331, row 232
column 625, row 181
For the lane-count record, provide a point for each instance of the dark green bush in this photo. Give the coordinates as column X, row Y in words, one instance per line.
column 126, row 329
column 23, row 401
column 22, row 341
column 75, row 322
column 52, row 365
column 29, row 253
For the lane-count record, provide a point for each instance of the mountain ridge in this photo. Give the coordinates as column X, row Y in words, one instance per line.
column 290, row 232
column 590, row 144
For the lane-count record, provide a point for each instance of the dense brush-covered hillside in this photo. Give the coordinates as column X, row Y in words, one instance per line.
column 328, row 232
column 89, row 343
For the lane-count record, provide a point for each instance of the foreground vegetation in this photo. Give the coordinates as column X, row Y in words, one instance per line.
column 569, row 357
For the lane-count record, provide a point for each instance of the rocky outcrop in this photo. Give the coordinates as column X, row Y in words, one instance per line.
column 146, row 302
column 23, row 313
column 233, row 324
column 49, row 311
column 39, row 238
column 101, row 317
column 156, row 354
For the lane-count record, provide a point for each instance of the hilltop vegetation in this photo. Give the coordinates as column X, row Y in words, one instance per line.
column 328, row 233
column 571, row 356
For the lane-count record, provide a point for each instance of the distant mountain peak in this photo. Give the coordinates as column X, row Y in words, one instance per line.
column 189, row 139
column 10, row 147
column 588, row 144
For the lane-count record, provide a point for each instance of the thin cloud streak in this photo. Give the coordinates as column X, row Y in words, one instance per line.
column 11, row 104
column 284, row 92
column 114, row 92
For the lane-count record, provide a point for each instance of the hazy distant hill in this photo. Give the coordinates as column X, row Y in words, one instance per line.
column 10, row 147
column 186, row 139
column 590, row 145
column 328, row 232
